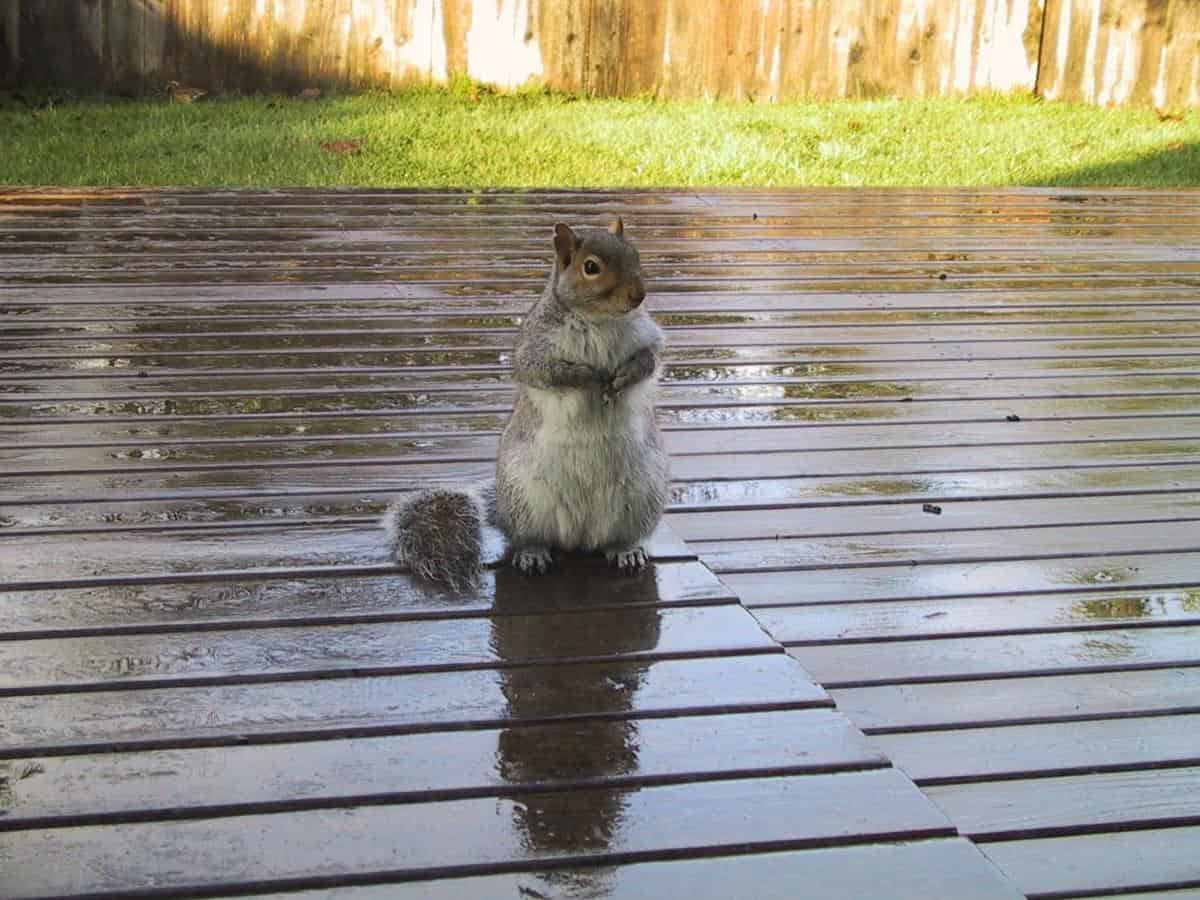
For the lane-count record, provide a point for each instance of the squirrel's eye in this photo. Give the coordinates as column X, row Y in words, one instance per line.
column 591, row 267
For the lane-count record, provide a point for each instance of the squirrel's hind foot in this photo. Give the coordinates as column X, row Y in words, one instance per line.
column 629, row 561
column 534, row 560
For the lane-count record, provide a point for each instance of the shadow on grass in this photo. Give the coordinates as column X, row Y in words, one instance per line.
column 1175, row 165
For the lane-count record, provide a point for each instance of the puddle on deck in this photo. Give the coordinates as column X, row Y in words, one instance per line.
column 1154, row 604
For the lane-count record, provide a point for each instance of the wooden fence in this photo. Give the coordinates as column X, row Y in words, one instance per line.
column 1122, row 51
column 1119, row 51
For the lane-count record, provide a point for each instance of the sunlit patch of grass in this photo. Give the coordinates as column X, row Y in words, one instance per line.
column 478, row 138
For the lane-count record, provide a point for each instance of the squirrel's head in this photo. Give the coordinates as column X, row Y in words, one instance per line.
column 597, row 273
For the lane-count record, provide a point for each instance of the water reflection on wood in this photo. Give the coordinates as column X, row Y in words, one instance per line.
column 210, row 667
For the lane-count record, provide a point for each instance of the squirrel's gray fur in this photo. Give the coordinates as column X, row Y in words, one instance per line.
column 438, row 535
column 581, row 464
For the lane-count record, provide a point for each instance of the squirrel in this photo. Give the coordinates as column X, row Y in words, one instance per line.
column 582, row 465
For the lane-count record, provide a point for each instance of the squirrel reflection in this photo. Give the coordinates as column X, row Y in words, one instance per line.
column 572, row 821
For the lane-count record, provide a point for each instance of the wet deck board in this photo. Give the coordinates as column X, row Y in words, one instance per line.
column 180, row 606
column 274, row 415
column 1055, row 748
column 1121, row 447
column 336, row 549
column 916, row 871
column 720, row 389
column 680, row 399
column 162, row 324
column 1072, row 804
column 335, row 708
column 366, row 358
column 790, row 555
column 207, row 397
column 92, row 557
column 951, row 659
column 703, row 342
column 1154, row 860
column 1065, row 576
column 947, row 705
column 260, row 500
column 251, row 655
column 978, row 616
column 90, row 314
column 210, row 781
column 74, row 447
column 421, row 839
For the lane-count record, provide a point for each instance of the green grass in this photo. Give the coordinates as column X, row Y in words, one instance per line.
column 475, row 138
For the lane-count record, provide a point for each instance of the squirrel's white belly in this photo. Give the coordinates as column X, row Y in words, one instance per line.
column 588, row 472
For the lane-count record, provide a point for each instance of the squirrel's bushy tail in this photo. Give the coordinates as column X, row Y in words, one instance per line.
column 438, row 534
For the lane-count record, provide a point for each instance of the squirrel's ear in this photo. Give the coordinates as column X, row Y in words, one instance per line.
column 565, row 243
column 617, row 227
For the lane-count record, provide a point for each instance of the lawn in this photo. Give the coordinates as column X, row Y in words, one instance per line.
column 471, row 137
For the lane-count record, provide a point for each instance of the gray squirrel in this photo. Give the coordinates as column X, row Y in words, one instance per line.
column 582, row 464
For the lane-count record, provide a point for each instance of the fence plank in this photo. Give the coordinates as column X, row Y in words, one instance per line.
column 766, row 49
column 1121, row 51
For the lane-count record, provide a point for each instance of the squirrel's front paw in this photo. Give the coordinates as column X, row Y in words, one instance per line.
column 533, row 560
column 630, row 562
column 637, row 368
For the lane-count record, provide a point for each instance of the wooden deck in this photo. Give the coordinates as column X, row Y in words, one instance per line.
column 943, row 447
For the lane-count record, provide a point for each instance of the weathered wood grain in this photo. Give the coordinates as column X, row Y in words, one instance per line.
column 1162, row 858
column 684, row 363
column 532, row 830
column 202, row 782
column 482, row 338
column 712, row 528
column 338, row 650
column 950, row 659
column 1026, row 448
column 1121, row 51
column 748, row 50
column 164, row 607
column 993, row 811
column 149, row 306
column 915, row 870
column 446, row 396
column 28, row 440
column 1065, row 577
column 99, row 248
column 948, row 236
column 866, row 477
column 927, row 231
column 996, row 545
column 51, row 724
column 75, row 447
column 269, row 500
column 1019, row 700
column 99, row 558
column 435, row 414
column 356, row 324
column 195, row 584
column 977, row 754
column 978, row 616
column 489, row 273
column 336, row 550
